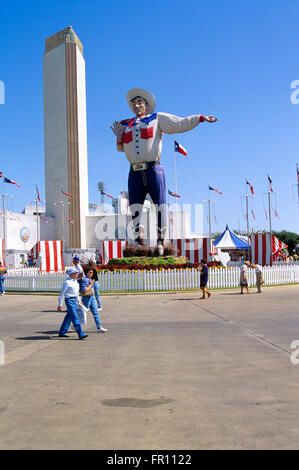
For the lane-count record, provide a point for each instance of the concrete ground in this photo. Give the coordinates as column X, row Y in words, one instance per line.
column 172, row 372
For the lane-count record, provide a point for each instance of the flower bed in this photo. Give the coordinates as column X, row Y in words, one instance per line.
column 153, row 267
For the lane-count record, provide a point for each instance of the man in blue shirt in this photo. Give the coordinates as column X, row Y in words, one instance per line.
column 204, row 277
column 70, row 292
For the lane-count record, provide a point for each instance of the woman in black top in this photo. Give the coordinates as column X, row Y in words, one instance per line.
column 96, row 285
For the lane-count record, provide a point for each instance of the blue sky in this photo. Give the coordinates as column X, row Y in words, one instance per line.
column 233, row 59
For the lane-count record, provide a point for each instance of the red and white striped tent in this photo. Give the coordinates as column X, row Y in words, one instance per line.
column 263, row 247
column 194, row 249
column 50, row 252
column 2, row 251
column 112, row 249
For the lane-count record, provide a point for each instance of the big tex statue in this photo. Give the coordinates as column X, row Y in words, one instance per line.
column 141, row 140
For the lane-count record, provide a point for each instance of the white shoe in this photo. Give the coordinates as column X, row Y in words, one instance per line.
column 100, row 309
column 102, row 330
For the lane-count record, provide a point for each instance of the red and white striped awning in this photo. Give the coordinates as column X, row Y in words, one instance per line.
column 110, row 249
column 263, row 247
column 50, row 252
column 194, row 249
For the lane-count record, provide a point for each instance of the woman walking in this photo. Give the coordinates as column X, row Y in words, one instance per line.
column 96, row 284
column 88, row 298
column 244, row 277
column 204, row 277
column 2, row 278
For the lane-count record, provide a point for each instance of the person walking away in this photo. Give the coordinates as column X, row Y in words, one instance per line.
column 204, row 277
column 70, row 292
column 259, row 277
column 88, row 298
column 96, row 284
column 244, row 276
column 2, row 278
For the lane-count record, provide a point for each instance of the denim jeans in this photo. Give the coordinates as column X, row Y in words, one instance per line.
column 96, row 287
column 90, row 302
column 1, row 285
column 71, row 316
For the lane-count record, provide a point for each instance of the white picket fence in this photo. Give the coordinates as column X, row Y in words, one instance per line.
column 30, row 280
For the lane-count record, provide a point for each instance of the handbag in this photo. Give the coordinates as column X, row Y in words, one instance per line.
column 261, row 279
column 82, row 314
column 90, row 293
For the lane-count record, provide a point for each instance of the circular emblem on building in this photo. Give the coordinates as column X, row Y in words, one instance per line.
column 24, row 234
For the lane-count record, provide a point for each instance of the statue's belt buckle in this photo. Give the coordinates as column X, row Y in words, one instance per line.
column 139, row 166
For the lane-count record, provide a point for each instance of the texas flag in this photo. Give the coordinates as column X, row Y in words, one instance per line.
column 179, row 148
column 7, row 180
column 66, row 194
column 270, row 183
column 214, row 189
column 173, row 194
column 105, row 194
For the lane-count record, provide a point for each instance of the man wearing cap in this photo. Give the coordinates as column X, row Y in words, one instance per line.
column 78, row 267
column 70, row 292
column 141, row 140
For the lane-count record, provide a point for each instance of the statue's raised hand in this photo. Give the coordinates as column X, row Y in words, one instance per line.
column 118, row 129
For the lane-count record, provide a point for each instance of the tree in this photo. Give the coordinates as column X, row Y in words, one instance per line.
column 289, row 238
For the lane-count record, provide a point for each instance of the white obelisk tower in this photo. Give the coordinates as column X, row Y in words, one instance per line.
column 66, row 137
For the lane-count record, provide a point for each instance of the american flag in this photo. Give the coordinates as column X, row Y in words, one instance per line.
column 270, row 183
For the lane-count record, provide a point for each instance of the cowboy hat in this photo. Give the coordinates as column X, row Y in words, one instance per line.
column 146, row 95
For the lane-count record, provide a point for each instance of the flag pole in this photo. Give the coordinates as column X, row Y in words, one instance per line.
column 247, row 219
column 269, row 203
column 175, row 178
column 4, row 196
column 37, row 219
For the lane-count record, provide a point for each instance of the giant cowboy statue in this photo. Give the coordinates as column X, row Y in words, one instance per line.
column 141, row 140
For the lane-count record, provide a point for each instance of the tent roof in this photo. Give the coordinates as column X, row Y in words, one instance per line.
column 229, row 240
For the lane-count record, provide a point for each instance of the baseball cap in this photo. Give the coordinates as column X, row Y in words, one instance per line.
column 72, row 271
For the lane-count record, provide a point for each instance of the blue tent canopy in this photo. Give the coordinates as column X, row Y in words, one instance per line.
column 229, row 240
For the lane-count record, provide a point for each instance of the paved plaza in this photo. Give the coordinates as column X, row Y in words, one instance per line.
column 172, row 372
